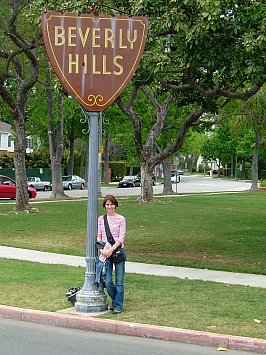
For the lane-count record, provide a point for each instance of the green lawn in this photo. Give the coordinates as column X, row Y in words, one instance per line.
column 218, row 231
column 165, row 301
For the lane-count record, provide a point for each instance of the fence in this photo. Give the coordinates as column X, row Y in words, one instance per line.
column 44, row 173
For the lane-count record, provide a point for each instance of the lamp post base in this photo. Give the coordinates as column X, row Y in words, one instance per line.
column 91, row 301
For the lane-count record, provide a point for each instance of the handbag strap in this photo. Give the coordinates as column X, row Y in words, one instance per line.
column 108, row 232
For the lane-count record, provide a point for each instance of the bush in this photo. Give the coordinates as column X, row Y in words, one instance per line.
column 38, row 158
column 201, row 168
column 118, row 169
column 6, row 161
column 263, row 183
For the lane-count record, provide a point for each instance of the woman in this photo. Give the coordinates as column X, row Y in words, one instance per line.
column 117, row 224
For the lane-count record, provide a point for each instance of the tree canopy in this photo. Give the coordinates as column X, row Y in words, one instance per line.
column 199, row 55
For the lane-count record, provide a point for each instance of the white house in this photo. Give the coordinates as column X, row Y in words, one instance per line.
column 7, row 142
column 6, row 139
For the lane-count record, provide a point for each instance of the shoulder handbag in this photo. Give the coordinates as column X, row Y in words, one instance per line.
column 117, row 255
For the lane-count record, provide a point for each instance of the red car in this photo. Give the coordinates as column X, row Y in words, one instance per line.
column 8, row 188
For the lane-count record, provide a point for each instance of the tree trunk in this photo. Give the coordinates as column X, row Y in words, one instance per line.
column 131, row 170
column 106, row 158
column 167, row 185
column 146, row 184
column 219, row 167
column 70, row 169
column 55, row 144
column 22, row 197
column 255, row 159
column 232, row 166
column 243, row 170
column 193, row 162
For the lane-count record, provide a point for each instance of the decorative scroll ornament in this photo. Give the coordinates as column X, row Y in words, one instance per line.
column 95, row 100
column 94, row 57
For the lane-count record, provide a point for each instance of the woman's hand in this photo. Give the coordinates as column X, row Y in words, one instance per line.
column 108, row 253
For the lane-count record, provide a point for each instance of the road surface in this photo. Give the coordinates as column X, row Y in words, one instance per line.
column 24, row 338
column 188, row 184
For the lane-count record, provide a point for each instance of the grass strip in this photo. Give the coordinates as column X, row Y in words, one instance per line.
column 220, row 232
column 165, row 301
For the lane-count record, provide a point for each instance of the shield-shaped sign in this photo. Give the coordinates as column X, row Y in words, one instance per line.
column 94, row 57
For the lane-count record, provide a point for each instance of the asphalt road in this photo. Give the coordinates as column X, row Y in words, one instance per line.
column 23, row 338
column 188, row 184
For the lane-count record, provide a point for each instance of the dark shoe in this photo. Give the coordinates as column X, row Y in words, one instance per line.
column 111, row 308
column 116, row 311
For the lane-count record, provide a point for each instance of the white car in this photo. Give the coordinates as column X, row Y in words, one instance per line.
column 38, row 184
column 73, row 182
column 175, row 177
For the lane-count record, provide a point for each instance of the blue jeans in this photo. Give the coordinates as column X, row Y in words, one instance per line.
column 116, row 291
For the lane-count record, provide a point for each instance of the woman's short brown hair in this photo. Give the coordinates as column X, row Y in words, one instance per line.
column 110, row 198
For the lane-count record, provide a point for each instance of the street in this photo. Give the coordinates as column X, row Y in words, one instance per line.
column 23, row 338
column 188, row 184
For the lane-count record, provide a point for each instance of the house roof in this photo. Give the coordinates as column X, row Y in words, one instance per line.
column 5, row 127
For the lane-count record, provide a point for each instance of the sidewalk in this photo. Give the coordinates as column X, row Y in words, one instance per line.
column 233, row 278
column 87, row 322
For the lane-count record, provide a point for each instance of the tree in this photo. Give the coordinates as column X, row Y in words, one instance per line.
column 221, row 143
column 55, row 134
column 117, row 133
column 205, row 53
column 73, row 115
column 193, row 145
column 18, row 73
column 253, row 115
column 199, row 55
column 146, row 140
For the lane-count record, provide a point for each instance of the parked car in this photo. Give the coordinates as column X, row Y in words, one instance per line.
column 8, row 188
column 38, row 184
column 73, row 182
column 153, row 178
column 129, row 181
column 175, row 177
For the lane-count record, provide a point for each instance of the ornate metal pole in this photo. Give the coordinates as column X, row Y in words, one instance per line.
column 89, row 299
column 100, row 154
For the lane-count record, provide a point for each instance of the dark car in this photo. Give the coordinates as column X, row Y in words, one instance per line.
column 129, row 181
column 73, row 182
column 8, row 188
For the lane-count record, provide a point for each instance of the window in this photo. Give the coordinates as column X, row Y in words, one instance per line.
column 9, row 141
column 29, row 144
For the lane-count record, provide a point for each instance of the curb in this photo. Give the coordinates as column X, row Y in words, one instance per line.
column 140, row 330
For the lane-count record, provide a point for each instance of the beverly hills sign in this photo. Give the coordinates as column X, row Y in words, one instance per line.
column 94, row 57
